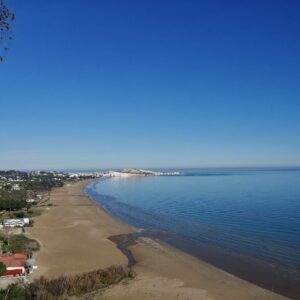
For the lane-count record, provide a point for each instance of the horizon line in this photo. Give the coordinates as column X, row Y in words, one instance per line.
column 151, row 168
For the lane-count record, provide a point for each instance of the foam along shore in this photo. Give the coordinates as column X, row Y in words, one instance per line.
column 74, row 238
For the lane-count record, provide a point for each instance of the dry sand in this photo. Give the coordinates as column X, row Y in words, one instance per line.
column 73, row 235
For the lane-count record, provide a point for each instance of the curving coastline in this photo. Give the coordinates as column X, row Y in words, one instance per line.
column 75, row 235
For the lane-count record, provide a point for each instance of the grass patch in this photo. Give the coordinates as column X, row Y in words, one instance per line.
column 19, row 243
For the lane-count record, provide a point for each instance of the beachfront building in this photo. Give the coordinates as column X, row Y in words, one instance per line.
column 15, row 222
column 14, row 263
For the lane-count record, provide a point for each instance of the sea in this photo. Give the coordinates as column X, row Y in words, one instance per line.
column 245, row 221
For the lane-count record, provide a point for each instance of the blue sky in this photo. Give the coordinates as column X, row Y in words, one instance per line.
column 88, row 84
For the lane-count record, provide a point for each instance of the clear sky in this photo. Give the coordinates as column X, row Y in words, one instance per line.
column 162, row 83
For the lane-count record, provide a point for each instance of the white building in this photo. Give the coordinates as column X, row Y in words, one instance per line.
column 30, row 200
column 16, row 222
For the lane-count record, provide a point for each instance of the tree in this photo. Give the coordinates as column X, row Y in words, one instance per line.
column 2, row 268
column 6, row 19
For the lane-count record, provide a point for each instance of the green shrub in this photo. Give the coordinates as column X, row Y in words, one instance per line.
column 14, row 292
column 20, row 243
column 34, row 213
column 2, row 268
column 12, row 200
column 20, row 214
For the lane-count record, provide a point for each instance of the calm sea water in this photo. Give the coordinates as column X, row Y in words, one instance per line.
column 253, row 213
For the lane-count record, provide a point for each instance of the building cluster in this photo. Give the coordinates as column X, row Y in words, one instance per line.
column 15, row 180
column 16, row 264
column 85, row 175
column 138, row 172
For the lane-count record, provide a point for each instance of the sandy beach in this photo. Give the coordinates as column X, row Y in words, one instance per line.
column 74, row 232
column 73, row 235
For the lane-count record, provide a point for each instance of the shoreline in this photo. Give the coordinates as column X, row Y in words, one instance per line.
column 250, row 269
column 75, row 236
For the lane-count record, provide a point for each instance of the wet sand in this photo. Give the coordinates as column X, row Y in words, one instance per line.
column 74, row 238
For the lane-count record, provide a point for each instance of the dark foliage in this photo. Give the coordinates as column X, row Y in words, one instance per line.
column 14, row 292
column 6, row 19
column 78, row 284
column 13, row 174
column 2, row 268
column 43, row 184
column 12, row 204
column 12, row 200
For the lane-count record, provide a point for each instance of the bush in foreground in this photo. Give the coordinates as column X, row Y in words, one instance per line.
column 77, row 284
column 64, row 286
column 14, row 292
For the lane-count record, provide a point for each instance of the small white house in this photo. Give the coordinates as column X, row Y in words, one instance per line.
column 30, row 200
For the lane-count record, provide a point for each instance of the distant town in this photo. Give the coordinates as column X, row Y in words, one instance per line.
column 19, row 180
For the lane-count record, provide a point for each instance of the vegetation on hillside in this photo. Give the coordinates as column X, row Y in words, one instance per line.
column 12, row 200
column 43, row 184
column 14, row 174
